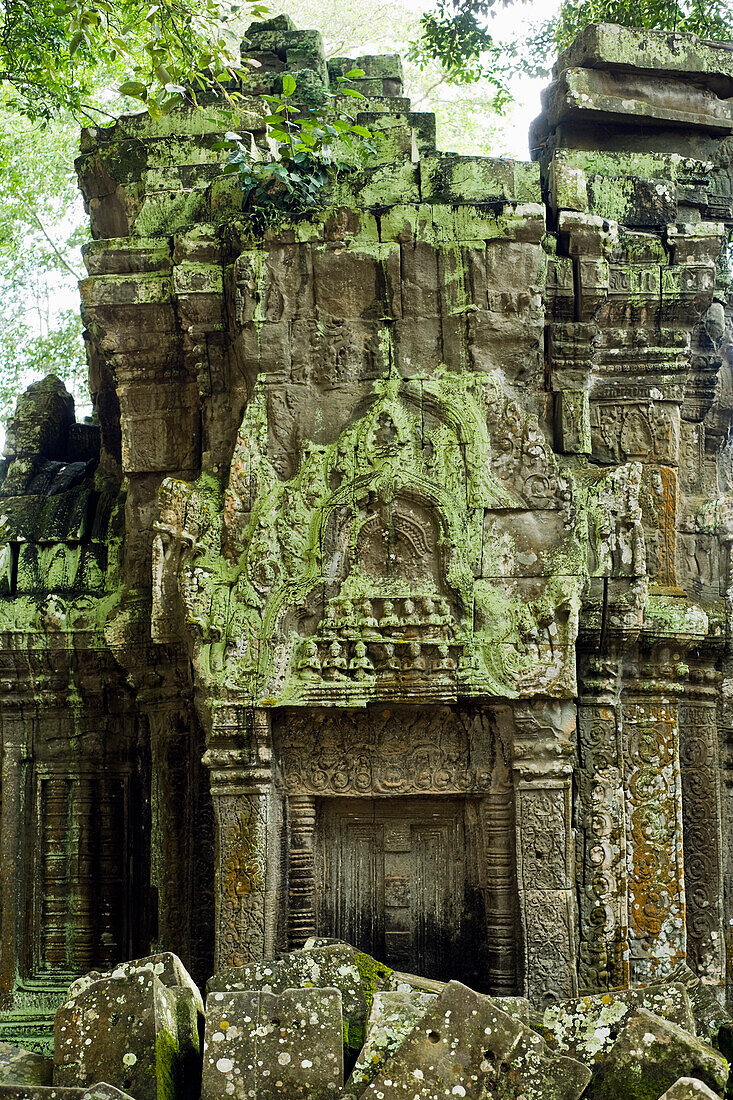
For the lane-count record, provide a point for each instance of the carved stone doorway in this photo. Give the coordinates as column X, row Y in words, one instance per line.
column 392, row 880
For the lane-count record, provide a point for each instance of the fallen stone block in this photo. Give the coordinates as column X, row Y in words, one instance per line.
column 465, row 1046
column 586, row 1027
column 356, row 975
column 650, row 1055
column 709, row 1015
column 23, row 1067
column 392, row 1018
column 52, row 1092
column 103, row 1091
column 100, row 1091
column 268, row 1045
column 189, row 1010
column 123, row 1031
column 689, row 1088
column 40, row 1092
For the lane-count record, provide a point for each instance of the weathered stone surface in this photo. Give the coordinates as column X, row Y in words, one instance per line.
column 464, row 1046
column 23, row 1067
column 688, row 1088
column 392, row 1018
column 273, row 1045
column 587, row 1028
column 339, row 966
column 186, row 996
column 650, row 1055
column 40, row 1092
column 124, row 1030
column 385, row 596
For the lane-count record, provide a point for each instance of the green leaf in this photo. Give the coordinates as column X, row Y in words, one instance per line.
column 289, row 84
column 76, row 42
column 132, row 88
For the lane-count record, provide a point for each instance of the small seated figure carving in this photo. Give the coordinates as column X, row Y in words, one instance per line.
column 408, row 611
column 414, row 662
column 346, row 617
column 389, row 617
column 309, row 666
column 389, row 662
column 367, row 621
column 430, row 615
column 444, row 662
column 330, row 623
column 334, row 664
column 360, row 667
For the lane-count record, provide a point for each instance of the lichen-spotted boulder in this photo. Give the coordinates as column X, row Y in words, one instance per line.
column 586, row 1027
column 356, row 975
column 392, row 1018
column 189, row 1008
column 650, row 1055
column 465, row 1046
column 124, row 1031
column 269, row 1046
column 23, row 1067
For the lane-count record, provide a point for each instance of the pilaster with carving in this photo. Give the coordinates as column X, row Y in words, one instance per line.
column 247, row 841
column 543, row 766
column 656, row 887
column 703, row 826
column 604, row 931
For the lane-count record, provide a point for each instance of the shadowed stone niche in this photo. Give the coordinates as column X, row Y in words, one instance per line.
column 387, row 595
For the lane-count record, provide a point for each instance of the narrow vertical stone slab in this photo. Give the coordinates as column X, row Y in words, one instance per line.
column 287, row 1045
column 124, row 1031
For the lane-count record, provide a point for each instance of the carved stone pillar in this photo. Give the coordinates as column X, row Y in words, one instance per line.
column 703, row 827
column 654, row 823
column 247, row 860
column 14, row 794
column 301, row 870
column 543, row 766
column 604, row 923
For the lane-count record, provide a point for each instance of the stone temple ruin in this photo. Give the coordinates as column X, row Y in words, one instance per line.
column 388, row 596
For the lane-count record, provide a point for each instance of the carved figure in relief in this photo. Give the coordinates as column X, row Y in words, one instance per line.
column 360, row 667
column 334, row 663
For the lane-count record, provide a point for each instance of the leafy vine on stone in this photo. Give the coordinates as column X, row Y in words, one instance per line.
column 307, row 143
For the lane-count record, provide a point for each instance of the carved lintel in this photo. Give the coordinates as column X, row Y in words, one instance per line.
column 543, row 764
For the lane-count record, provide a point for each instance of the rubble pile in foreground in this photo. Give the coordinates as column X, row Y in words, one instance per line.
column 330, row 1021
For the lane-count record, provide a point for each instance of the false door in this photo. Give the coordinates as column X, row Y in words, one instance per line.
column 393, row 878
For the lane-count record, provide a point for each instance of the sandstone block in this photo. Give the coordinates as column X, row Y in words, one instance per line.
column 650, row 1055
column 689, row 1088
column 335, row 966
column 48, row 1092
column 189, row 1006
column 586, row 1027
column 123, row 1030
column 23, row 1067
column 465, row 1046
column 392, row 1018
column 273, row 1045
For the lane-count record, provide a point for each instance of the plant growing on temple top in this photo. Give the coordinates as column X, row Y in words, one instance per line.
column 308, row 144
